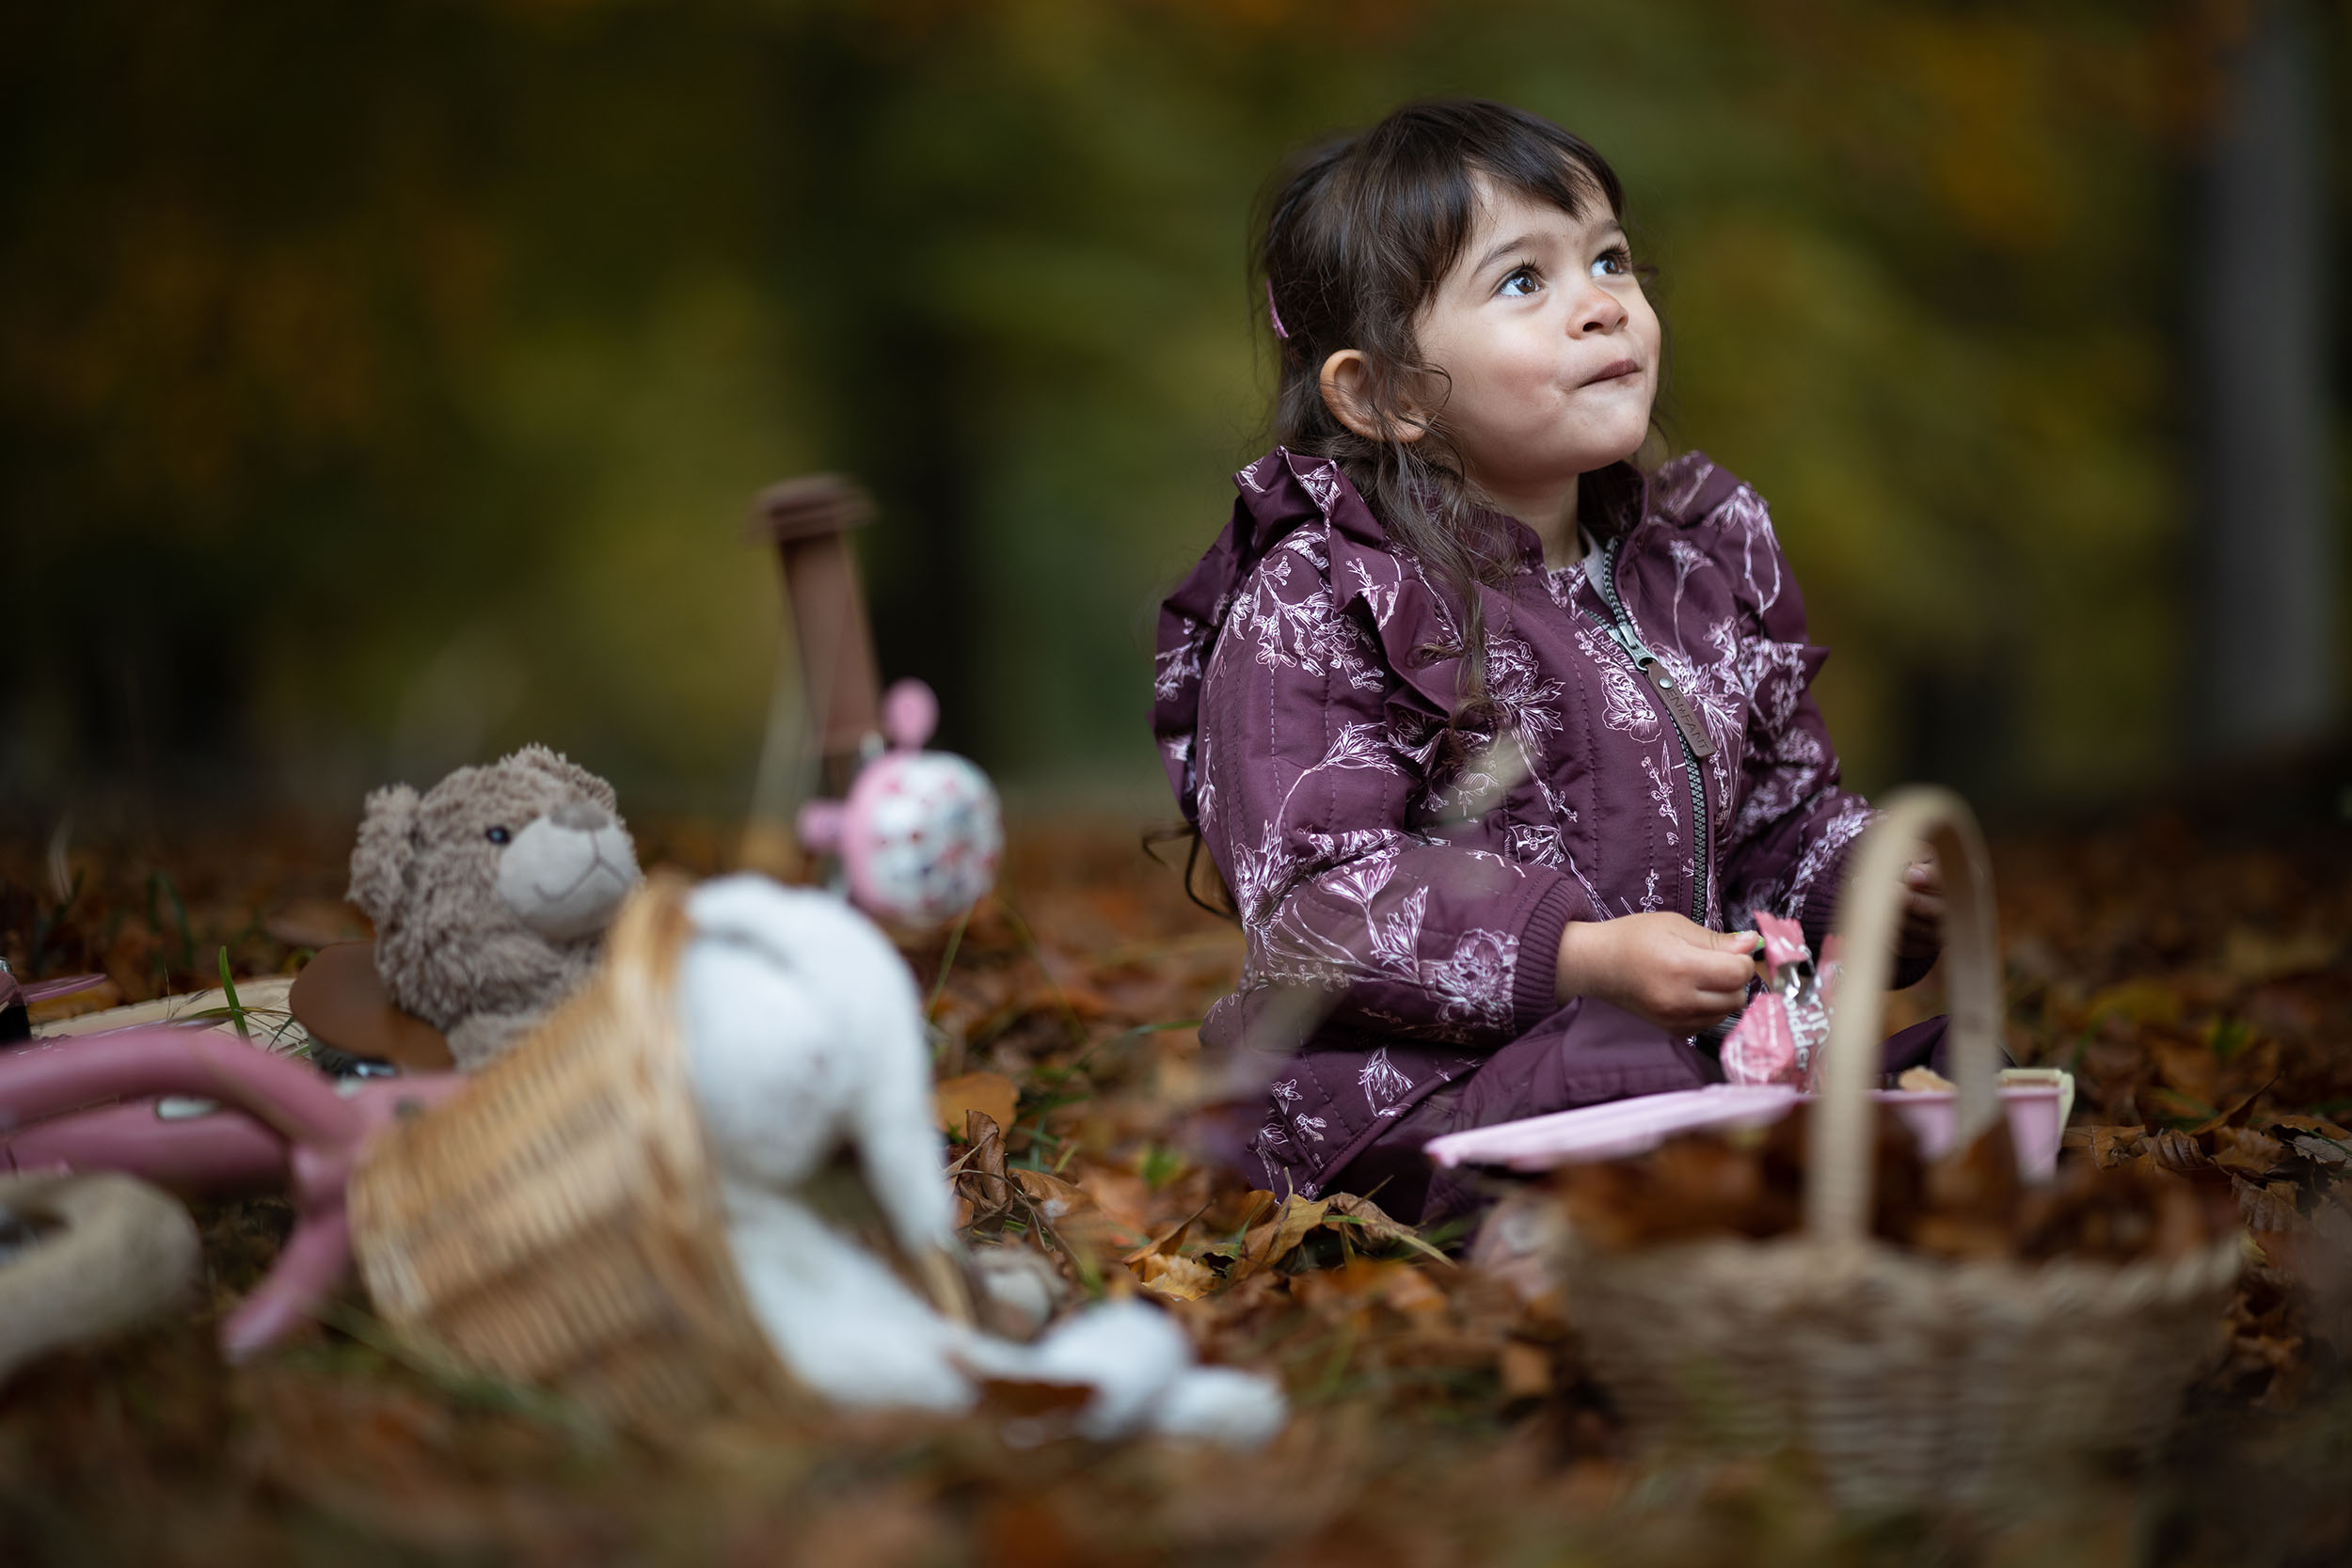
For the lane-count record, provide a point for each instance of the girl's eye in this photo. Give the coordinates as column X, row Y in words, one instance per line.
column 1519, row 283
column 1615, row 262
column 497, row 835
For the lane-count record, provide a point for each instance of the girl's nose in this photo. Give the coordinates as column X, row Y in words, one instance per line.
column 1597, row 312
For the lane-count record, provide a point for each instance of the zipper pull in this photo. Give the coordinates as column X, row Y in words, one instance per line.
column 1634, row 649
column 1686, row 717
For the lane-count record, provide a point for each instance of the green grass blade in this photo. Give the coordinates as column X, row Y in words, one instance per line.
column 229, row 986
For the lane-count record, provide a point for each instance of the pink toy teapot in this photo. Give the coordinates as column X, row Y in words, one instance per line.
column 920, row 835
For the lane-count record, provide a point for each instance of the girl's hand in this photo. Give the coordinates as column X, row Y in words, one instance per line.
column 1922, row 935
column 1663, row 967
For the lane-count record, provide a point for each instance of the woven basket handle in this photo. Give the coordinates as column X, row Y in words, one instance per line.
column 1869, row 916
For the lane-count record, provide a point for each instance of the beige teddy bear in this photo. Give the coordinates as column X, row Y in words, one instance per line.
column 490, row 894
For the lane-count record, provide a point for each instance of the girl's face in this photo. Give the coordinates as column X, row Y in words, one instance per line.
column 1550, row 347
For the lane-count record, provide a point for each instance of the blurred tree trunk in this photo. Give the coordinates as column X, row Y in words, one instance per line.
column 903, row 403
column 2266, row 582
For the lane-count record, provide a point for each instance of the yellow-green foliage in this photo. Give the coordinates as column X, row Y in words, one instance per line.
column 382, row 384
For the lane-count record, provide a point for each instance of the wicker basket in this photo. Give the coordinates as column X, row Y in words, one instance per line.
column 559, row 1224
column 1910, row 1382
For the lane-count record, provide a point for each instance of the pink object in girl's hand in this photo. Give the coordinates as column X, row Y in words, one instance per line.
column 1761, row 1048
column 920, row 835
column 1784, row 941
column 1776, row 1038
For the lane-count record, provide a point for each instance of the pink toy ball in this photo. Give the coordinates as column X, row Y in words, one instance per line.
column 921, row 835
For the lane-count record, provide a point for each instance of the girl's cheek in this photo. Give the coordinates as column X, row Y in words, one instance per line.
column 1533, row 368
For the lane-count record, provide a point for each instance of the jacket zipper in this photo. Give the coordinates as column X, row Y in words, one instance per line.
column 1697, row 745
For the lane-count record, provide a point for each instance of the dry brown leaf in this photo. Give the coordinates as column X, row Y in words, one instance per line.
column 1351, row 1289
column 2242, row 1151
column 2109, row 1145
column 1272, row 1240
column 2320, row 1125
column 2179, row 1152
column 1074, row 1217
column 2316, row 1147
column 2268, row 1206
column 1178, row 1278
column 1371, row 1224
column 978, row 1173
column 2187, row 1066
column 992, row 1094
column 1167, row 1241
column 2235, row 1106
column 1124, row 1197
column 1055, row 1199
column 1233, row 1212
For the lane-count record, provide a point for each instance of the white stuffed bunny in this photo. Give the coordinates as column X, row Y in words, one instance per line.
column 805, row 1032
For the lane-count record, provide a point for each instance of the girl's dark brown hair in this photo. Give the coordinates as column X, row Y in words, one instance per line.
column 1355, row 241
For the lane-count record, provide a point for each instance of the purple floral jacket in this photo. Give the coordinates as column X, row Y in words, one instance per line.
column 1404, row 918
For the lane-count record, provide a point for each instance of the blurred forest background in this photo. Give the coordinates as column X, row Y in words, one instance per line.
column 385, row 384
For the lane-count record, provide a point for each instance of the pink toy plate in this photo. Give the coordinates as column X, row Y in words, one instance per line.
column 2036, row 1101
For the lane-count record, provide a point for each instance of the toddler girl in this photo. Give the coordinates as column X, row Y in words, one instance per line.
column 1496, row 736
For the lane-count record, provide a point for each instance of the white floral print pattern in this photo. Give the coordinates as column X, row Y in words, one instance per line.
column 1625, row 707
column 1528, row 702
column 1665, row 795
column 1383, row 1085
column 1305, row 630
column 1687, row 558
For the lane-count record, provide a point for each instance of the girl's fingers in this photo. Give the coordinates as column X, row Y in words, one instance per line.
column 1923, row 922
column 1723, row 972
column 1712, row 997
column 1721, row 958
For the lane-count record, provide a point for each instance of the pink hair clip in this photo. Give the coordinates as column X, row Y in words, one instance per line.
column 1275, row 316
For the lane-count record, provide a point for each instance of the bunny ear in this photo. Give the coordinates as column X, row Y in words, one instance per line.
column 379, row 861
column 560, row 767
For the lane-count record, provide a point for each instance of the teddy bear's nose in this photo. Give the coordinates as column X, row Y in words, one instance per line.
column 581, row 816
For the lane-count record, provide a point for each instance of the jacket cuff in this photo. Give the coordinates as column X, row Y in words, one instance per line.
column 1534, row 985
column 1820, row 918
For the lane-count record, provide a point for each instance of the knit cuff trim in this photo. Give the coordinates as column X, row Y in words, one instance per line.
column 1533, row 988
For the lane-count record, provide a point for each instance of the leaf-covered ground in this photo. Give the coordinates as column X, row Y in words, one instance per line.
column 2187, row 963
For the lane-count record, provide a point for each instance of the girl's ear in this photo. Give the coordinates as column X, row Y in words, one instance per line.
column 1346, row 384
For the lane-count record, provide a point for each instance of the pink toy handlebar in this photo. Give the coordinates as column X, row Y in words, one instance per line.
column 44, row 1080
column 279, row 1122
column 225, row 1151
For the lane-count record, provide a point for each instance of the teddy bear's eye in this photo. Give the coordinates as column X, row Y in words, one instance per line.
column 498, row 835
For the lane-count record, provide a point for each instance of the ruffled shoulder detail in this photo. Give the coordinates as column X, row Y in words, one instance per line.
column 1693, row 491
column 1691, row 487
column 1275, row 494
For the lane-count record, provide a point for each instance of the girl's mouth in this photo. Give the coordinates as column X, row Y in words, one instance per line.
column 1616, row 370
